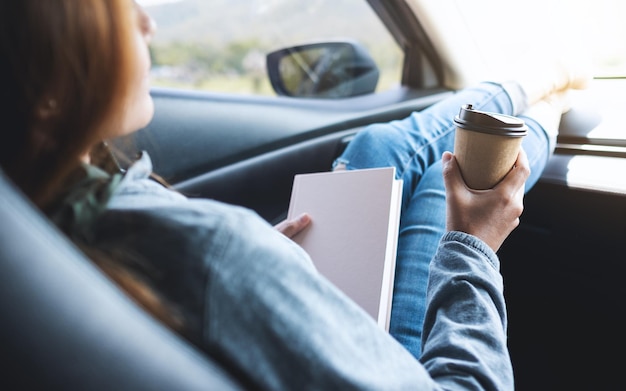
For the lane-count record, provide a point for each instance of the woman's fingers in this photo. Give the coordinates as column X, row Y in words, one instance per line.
column 491, row 214
column 292, row 227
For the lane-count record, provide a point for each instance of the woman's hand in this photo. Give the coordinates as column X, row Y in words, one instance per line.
column 491, row 215
column 292, row 227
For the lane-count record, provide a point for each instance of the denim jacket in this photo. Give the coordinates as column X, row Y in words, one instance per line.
column 252, row 297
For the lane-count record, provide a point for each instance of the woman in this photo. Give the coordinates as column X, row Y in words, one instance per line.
column 75, row 74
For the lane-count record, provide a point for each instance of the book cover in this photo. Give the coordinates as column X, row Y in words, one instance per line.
column 353, row 235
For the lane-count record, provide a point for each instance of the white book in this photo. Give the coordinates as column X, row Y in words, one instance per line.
column 353, row 235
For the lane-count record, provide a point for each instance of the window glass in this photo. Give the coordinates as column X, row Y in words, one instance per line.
column 606, row 28
column 483, row 38
column 220, row 45
column 595, row 29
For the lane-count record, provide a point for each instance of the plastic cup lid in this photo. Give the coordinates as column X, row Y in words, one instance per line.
column 491, row 123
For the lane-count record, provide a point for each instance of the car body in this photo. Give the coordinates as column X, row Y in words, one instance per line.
column 562, row 266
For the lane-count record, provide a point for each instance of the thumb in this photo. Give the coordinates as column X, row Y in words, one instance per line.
column 451, row 173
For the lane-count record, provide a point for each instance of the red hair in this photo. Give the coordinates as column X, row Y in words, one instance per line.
column 65, row 74
column 64, row 71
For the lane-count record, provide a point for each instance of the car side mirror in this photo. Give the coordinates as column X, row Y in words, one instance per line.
column 322, row 70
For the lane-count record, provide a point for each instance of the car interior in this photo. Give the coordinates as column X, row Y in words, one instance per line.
column 66, row 326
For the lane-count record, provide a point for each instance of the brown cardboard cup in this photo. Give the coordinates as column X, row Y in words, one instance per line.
column 486, row 146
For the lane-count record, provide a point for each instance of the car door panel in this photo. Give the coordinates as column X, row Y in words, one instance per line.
column 263, row 182
column 194, row 132
column 246, row 150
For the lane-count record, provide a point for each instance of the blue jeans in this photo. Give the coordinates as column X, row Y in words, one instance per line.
column 414, row 146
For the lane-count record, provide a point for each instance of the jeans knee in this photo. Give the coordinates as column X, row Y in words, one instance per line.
column 374, row 136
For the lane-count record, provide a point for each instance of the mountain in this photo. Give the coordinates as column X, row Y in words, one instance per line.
column 272, row 22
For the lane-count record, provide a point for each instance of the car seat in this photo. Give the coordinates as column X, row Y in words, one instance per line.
column 66, row 326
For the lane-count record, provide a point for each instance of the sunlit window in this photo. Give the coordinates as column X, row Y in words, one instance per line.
column 221, row 45
column 486, row 38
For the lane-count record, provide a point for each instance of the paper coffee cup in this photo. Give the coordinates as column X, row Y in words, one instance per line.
column 486, row 145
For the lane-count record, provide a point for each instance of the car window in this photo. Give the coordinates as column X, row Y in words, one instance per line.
column 606, row 32
column 591, row 31
column 220, row 45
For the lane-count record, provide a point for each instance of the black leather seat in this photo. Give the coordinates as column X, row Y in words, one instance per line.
column 66, row 326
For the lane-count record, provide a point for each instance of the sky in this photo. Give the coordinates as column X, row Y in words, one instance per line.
column 147, row 3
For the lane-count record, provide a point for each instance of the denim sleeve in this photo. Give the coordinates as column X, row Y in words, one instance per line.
column 269, row 311
column 291, row 329
column 255, row 300
column 464, row 341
